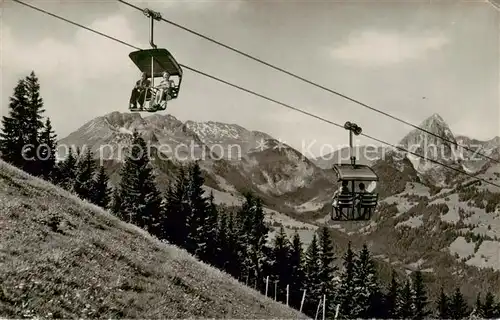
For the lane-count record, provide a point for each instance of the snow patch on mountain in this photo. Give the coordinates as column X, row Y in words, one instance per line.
column 455, row 205
column 311, row 205
column 413, row 222
column 487, row 256
column 462, row 248
column 290, row 226
column 231, row 139
column 223, row 197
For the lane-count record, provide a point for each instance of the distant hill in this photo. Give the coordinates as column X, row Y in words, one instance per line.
column 64, row 258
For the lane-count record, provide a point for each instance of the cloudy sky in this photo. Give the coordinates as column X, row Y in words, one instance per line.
column 389, row 55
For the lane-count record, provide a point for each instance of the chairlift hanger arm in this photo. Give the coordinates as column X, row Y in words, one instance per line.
column 153, row 15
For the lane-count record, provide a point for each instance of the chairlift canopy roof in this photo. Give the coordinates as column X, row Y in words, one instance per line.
column 163, row 61
column 358, row 172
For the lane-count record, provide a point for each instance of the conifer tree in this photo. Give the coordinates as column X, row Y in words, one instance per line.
column 406, row 302
column 312, row 275
column 253, row 235
column 101, row 191
column 116, row 203
column 13, row 138
column 488, row 310
column 48, row 150
column 478, row 307
column 443, row 306
column 420, row 297
column 84, row 183
column 236, row 250
column 259, row 249
column 365, row 285
column 196, row 240
column 67, row 170
column 458, row 306
column 177, row 210
column 347, row 290
column 297, row 276
column 33, row 125
column 280, row 262
column 223, row 247
column 327, row 268
column 392, row 298
column 152, row 211
column 141, row 201
column 208, row 230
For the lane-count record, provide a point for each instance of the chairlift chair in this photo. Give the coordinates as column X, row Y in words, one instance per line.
column 354, row 205
column 346, row 209
column 154, row 62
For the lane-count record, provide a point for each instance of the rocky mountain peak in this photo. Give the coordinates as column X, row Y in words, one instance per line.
column 428, row 142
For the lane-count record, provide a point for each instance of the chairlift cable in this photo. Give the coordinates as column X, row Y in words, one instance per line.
column 258, row 94
column 249, row 56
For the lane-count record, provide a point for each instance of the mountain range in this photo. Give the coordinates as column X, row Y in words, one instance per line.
column 430, row 217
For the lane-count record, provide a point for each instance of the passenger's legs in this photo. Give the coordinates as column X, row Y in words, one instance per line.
column 159, row 96
column 141, row 96
column 133, row 97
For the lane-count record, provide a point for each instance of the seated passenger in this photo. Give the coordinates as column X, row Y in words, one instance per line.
column 139, row 92
column 164, row 87
column 362, row 191
column 342, row 190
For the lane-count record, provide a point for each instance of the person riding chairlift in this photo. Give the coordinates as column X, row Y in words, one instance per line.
column 139, row 92
column 164, row 86
column 342, row 190
column 361, row 193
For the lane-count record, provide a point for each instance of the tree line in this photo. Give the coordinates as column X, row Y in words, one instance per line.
column 235, row 239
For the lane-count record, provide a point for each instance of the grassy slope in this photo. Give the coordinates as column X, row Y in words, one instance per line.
column 63, row 257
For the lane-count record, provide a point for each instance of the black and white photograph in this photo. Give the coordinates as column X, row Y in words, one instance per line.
column 250, row 159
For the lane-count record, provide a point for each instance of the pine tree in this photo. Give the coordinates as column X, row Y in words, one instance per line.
column 152, row 211
column 443, row 306
column 209, row 232
column 12, row 137
column 420, row 297
column 101, row 191
column 48, row 149
column 141, row 201
column 177, row 211
column 280, row 263
column 67, row 171
column 33, row 125
column 365, row 285
column 392, row 298
column 253, row 236
column 347, row 289
column 84, row 183
column 458, row 306
column 116, row 204
column 223, row 247
column 478, row 308
column 196, row 240
column 406, row 302
column 312, row 275
column 327, row 268
column 488, row 310
column 297, row 276
column 236, row 250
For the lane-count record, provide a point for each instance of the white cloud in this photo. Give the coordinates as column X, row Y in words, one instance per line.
column 87, row 57
column 86, row 76
column 374, row 48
